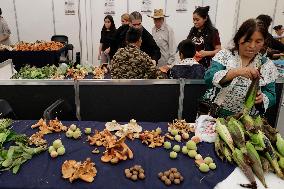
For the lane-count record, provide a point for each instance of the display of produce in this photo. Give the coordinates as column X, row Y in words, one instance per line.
column 57, row 149
column 73, row 132
column 180, row 127
column 171, row 176
column 117, row 151
column 152, row 138
column 63, row 71
column 17, row 153
column 38, row 46
column 130, row 130
column 135, row 173
column 73, row 170
column 250, row 142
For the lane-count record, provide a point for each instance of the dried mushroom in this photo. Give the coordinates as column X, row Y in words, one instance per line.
column 54, row 125
column 131, row 130
column 152, row 138
column 181, row 126
column 73, row 170
column 103, row 138
column 116, row 152
column 37, row 139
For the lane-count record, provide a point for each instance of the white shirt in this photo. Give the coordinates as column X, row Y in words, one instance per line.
column 165, row 40
column 4, row 29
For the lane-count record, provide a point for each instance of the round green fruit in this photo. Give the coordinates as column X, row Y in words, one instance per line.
column 178, row 138
column 176, row 148
column 51, row 148
column 173, row 155
column 204, row 167
column 61, row 150
column 191, row 145
column 88, row 131
column 73, row 127
column 57, row 143
column 167, row 145
column 192, row 153
column 212, row 166
column 76, row 134
column 174, row 132
column 184, row 150
column 208, row 160
column 69, row 133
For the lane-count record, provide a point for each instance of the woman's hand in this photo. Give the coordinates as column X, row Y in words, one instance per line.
column 107, row 50
column 202, row 53
column 259, row 97
column 248, row 72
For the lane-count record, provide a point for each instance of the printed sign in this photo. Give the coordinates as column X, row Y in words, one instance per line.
column 109, row 7
column 182, row 6
column 69, row 7
column 146, row 7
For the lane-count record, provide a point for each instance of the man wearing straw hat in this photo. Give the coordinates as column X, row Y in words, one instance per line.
column 164, row 37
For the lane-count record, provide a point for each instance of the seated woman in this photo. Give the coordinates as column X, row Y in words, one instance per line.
column 189, row 68
column 232, row 71
column 132, row 63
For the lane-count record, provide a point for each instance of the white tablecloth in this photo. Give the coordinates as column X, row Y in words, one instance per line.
column 237, row 177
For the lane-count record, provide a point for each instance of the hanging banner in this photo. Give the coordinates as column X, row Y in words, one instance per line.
column 182, row 6
column 69, row 7
column 109, row 7
column 146, row 7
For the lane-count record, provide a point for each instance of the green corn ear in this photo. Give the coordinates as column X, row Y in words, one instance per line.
column 239, row 159
column 280, row 144
column 258, row 140
column 272, row 157
column 258, row 123
column 248, row 122
column 237, row 134
column 256, row 163
column 250, row 96
column 218, row 148
column 224, row 134
column 227, row 153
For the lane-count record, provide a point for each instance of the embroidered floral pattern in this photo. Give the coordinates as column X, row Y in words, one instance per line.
column 232, row 97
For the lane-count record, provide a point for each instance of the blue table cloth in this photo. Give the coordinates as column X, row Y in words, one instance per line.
column 44, row 172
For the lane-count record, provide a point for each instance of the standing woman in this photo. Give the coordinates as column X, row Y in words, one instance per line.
column 4, row 31
column 205, row 36
column 233, row 70
column 107, row 38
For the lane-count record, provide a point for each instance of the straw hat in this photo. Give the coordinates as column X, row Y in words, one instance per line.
column 158, row 13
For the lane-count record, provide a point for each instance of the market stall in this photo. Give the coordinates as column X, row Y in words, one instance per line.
column 45, row 172
column 37, row 54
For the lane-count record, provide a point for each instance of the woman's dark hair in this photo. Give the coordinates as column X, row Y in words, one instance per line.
column 265, row 19
column 203, row 13
column 0, row 11
column 247, row 29
column 133, row 35
column 187, row 48
column 112, row 26
column 279, row 27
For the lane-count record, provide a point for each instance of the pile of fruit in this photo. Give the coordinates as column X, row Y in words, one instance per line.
column 74, row 132
column 134, row 173
column 57, row 149
column 171, row 176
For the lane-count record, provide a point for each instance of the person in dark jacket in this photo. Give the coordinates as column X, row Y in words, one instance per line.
column 274, row 47
column 188, row 68
column 148, row 45
column 205, row 36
